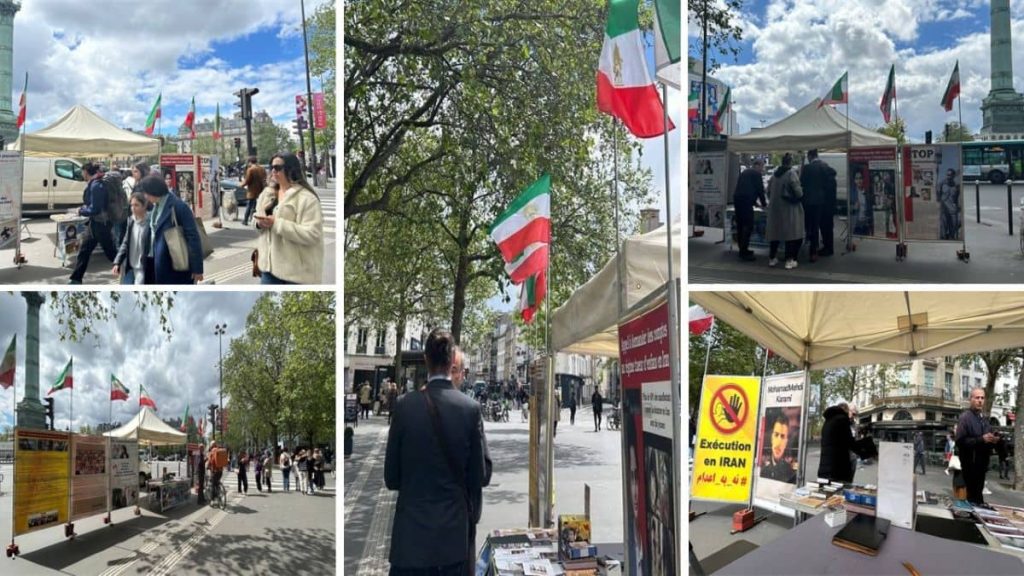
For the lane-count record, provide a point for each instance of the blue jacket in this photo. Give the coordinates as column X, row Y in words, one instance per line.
column 95, row 200
column 163, row 268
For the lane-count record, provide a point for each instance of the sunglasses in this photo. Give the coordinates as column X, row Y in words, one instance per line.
column 277, row 167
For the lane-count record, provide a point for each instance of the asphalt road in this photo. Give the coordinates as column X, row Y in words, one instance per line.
column 229, row 264
column 582, row 456
column 259, row 533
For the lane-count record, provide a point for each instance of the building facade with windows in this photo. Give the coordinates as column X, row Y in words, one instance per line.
column 370, row 351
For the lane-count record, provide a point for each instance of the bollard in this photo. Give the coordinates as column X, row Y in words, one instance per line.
column 349, row 437
column 1009, row 205
column 977, row 198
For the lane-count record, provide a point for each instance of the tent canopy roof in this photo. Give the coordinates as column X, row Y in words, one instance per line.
column 808, row 128
column 818, row 330
column 588, row 321
column 149, row 429
column 82, row 133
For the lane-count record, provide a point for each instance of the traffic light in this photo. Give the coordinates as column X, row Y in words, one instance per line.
column 245, row 100
column 49, row 411
column 238, row 142
column 928, row 137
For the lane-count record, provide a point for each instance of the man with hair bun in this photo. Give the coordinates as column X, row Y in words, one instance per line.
column 437, row 460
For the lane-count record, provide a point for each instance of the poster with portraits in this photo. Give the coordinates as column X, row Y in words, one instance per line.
column 933, row 195
column 71, row 231
column 648, row 424
column 40, row 479
column 874, row 211
column 181, row 174
column 124, row 473
column 89, row 476
column 778, row 448
column 708, row 183
column 10, row 197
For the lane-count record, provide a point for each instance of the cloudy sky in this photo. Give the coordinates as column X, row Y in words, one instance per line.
column 116, row 56
column 794, row 51
column 175, row 372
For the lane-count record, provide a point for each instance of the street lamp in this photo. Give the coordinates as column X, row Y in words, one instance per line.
column 219, row 330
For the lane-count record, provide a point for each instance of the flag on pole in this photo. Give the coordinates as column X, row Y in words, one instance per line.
column 190, row 119
column 144, row 399
column 23, row 104
column 184, row 420
column 118, row 391
column 952, row 88
column 624, row 86
column 889, row 95
column 202, row 427
column 723, row 110
column 154, row 115
column 839, row 94
column 667, row 43
column 523, row 231
column 693, row 108
column 65, row 380
column 700, row 320
column 8, row 365
column 216, row 124
column 532, row 294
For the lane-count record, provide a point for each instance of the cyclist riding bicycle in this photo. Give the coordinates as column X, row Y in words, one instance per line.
column 216, row 460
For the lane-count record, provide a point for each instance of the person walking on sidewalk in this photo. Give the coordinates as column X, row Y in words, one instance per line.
column 301, row 461
column 918, row 451
column 437, row 460
column 597, row 403
column 243, row 472
column 254, row 182
column 286, row 468
column 257, row 469
column 268, row 466
column 318, row 469
column 216, row 469
column 365, row 393
column 572, row 406
column 310, row 473
column 557, row 414
column 98, row 229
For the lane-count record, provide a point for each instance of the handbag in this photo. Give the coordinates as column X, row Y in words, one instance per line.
column 204, row 240
column 435, row 420
column 256, row 272
column 176, row 245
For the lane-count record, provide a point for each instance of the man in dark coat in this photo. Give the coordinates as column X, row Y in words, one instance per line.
column 818, row 180
column 836, row 444
column 437, row 460
column 975, row 440
column 749, row 192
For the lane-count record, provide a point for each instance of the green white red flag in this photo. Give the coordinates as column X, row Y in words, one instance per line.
column 532, row 294
column 154, row 115
column 144, row 399
column 723, row 110
column 624, row 86
column 65, row 380
column 667, row 43
column 190, row 119
column 8, row 365
column 952, row 88
column 523, row 231
column 216, row 124
column 23, row 104
column 184, row 420
column 118, row 391
column 839, row 94
column 889, row 95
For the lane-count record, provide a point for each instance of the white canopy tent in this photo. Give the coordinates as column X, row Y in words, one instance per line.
column 82, row 133
column 818, row 330
column 588, row 322
column 148, row 428
column 808, row 128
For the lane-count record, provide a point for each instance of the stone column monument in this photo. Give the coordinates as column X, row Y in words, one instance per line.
column 8, row 117
column 1003, row 109
column 31, row 413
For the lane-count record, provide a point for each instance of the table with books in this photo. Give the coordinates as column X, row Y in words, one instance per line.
column 548, row 551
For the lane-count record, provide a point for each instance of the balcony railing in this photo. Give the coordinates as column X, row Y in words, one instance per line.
column 913, row 396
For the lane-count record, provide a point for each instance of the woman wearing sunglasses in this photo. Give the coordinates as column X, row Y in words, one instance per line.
column 291, row 243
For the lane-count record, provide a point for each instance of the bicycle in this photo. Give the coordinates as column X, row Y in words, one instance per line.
column 222, row 493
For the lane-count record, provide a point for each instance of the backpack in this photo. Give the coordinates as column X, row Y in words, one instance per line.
column 117, row 200
column 220, row 457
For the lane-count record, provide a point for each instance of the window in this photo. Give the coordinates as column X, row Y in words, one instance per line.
column 965, row 387
column 949, row 385
column 902, row 415
column 903, row 376
column 361, row 337
column 929, row 415
column 929, row 377
column 382, row 336
column 68, row 170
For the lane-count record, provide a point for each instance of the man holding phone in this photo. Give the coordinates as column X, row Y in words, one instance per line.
column 975, row 439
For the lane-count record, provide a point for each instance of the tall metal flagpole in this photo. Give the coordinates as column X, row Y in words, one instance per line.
column 549, row 439
column 18, row 259
column 623, row 447
column 960, row 121
column 804, row 426
column 14, row 414
column 757, row 429
column 309, row 103
column 69, row 529
column 849, row 143
column 673, row 326
column 110, row 452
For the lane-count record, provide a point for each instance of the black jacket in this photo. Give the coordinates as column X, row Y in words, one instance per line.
column 749, row 189
column 974, row 451
column 818, row 180
column 836, row 445
column 431, row 508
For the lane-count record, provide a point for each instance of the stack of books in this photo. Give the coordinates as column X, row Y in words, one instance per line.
column 861, row 500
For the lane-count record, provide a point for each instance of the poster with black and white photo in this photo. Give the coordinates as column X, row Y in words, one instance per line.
column 933, row 192
column 124, row 473
column 778, row 447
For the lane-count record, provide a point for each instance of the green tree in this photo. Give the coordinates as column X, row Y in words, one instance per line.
column 897, row 129
column 1018, row 426
column 269, row 139
column 997, row 363
column 76, row 312
column 724, row 34
column 323, row 65
column 955, row 132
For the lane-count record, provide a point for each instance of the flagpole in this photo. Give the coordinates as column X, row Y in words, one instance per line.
column 757, row 429
column 14, row 414
column 69, row 528
column 138, row 423
column 960, row 121
column 110, row 418
column 549, row 451
column 18, row 259
column 897, row 206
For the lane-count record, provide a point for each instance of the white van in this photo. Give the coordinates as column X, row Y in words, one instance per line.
column 837, row 160
column 52, row 184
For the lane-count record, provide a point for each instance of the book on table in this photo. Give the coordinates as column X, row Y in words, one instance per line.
column 864, row 534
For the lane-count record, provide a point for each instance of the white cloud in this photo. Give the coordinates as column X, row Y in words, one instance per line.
column 116, row 57
column 802, row 47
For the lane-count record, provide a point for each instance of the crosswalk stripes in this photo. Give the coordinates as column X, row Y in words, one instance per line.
column 329, row 206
